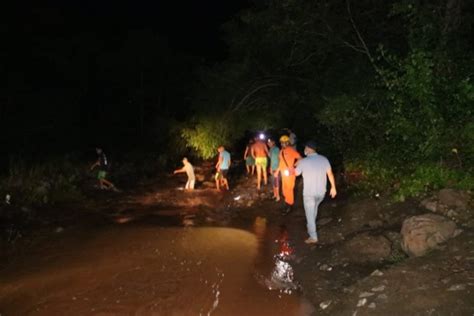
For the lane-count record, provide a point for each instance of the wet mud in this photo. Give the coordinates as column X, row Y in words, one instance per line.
column 150, row 255
column 161, row 251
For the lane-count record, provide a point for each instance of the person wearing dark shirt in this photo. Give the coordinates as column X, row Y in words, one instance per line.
column 249, row 160
column 103, row 167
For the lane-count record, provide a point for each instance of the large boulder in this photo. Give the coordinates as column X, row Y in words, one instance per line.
column 422, row 233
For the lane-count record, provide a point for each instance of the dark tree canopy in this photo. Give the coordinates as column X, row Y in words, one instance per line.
column 387, row 85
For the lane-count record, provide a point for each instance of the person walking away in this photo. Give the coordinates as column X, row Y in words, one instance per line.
column 222, row 167
column 259, row 152
column 315, row 170
column 286, row 167
column 274, row 161
column 189, row 170
column 249, row 161
column 103, row 166
column 292, row 137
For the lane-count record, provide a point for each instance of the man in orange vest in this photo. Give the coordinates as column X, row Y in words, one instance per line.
column 288, row 157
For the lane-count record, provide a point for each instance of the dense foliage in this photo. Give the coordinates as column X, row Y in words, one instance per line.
column 386, row 84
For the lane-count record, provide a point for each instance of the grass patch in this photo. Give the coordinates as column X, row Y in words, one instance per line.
column 54, row 181
column 373, row 177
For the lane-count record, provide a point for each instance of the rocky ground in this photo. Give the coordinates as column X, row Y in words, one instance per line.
column 375, row 257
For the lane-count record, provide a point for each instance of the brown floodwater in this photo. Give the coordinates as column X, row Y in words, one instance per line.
column 135, row 269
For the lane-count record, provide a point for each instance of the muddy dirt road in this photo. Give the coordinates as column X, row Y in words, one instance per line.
column 150, row 261
column 144, row 271
column 161, row 251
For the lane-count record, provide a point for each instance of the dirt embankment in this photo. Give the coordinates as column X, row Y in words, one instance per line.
column 360, row 267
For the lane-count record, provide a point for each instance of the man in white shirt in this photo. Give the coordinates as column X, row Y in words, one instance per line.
column 188, row 168
column 316, row 170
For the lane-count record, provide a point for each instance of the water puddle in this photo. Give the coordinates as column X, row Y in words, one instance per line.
column 131, row 268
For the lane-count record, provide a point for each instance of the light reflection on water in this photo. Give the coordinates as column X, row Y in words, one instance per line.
column 281, row 275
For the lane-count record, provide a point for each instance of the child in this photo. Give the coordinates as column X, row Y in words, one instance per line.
column 188, row 168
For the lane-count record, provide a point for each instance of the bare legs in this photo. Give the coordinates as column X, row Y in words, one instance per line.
column 261, row 170
column 106, row 184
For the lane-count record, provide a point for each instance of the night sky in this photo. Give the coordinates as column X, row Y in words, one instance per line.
column 130, row 76
column 189, row 26
column 71, row 66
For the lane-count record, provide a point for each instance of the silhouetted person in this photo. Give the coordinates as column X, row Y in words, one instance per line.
column 274, row 154
column 292, row 137
column 103, row 165
column 249, row 160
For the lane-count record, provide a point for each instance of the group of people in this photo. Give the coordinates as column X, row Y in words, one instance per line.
column 282, row 162
column 285, row 165
column 222, row 168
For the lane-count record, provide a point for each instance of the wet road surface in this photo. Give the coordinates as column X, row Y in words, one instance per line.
column 135, row 269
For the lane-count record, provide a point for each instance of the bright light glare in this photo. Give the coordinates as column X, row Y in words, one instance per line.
column 262, row 136
column 286, row 172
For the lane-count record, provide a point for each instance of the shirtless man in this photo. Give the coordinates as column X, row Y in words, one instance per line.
column 189, row 170
column 259, row 152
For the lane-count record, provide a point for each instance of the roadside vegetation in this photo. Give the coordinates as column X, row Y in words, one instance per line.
column 387, row 87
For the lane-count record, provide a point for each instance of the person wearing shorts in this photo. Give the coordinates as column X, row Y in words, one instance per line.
column 222, row 175
column 274, row 154
column 103, row 165
column 222, row 167
column 260, row 153
column 101, row 175
column 249, row 161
